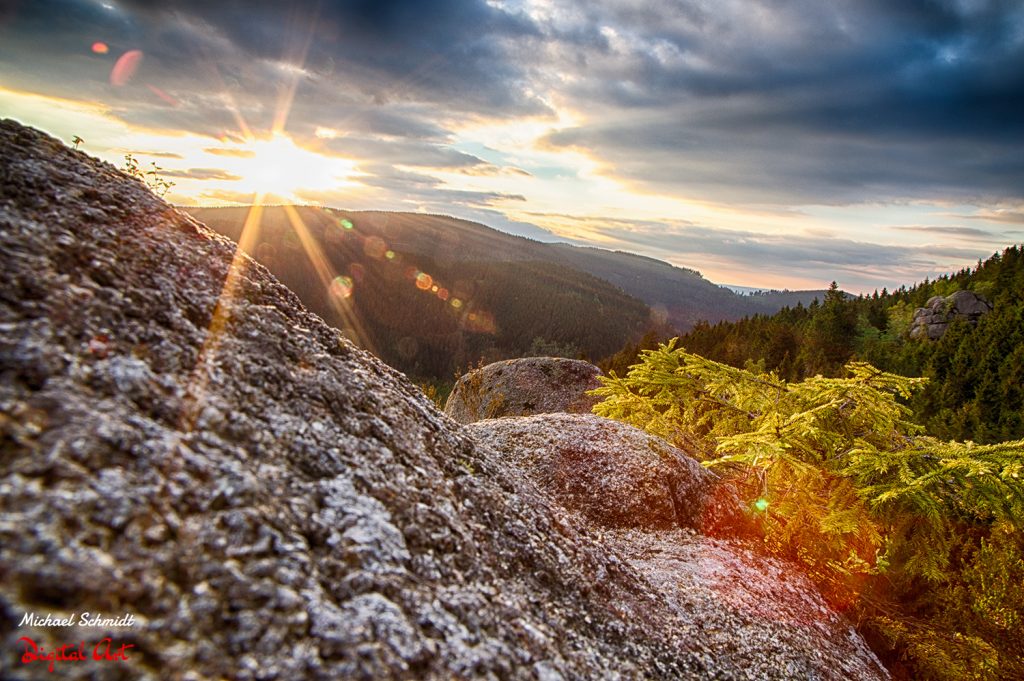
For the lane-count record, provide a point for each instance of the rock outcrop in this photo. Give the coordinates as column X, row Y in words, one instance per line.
column 521, row 387
column 613, row 474
column 185, row 445
column 932, row 320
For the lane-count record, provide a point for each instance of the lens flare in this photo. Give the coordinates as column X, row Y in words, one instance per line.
column 125, row 67
column 375, row 247
column 480, row 321
column 100, row 47
column 761, row 505
column 424, row 281
column 341, row 287
column 347, row 224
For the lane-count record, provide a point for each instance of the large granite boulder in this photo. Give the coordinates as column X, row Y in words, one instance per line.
column 932, row 320
column 655, row 506
column 613, row 474
column 521, row 387
column 189, row 452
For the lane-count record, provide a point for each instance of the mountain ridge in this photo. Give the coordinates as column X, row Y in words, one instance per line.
column 727, row 305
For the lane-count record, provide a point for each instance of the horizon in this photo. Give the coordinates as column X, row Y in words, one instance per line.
column 874, row 144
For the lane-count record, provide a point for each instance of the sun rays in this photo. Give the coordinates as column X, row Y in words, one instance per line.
column 273, row 164
column 279, row 169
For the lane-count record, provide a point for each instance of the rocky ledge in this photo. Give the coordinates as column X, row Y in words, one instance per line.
column 932, row 320
column 186, row 446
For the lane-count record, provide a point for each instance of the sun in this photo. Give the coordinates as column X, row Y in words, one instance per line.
column 275, row 166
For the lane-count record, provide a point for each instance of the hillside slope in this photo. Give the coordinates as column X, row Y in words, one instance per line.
column 681, row 297
column 976, row 371
column 433, row 295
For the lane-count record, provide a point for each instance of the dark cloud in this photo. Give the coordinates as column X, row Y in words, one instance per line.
column 810, row 102
column 392, row 68
column 395, row 50
column 427, row 192
column 402, row 152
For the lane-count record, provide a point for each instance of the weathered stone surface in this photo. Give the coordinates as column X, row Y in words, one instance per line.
column 270, row 502
column 757, row 614
column 932, row 320
column 521, row 387
column 613, row 474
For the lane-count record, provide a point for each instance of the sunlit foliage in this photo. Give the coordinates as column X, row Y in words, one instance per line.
column 920, row 538
column 152, row 178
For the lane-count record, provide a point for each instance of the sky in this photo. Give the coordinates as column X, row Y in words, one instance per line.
column 780, row 144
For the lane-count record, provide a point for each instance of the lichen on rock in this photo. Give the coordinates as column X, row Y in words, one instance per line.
column 522, row 387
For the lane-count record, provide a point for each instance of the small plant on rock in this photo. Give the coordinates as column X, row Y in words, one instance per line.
column 152, row 178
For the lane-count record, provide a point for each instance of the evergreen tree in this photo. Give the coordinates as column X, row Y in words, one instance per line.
column 923, row 538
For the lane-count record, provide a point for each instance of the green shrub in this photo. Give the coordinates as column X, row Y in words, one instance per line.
column 921, row 538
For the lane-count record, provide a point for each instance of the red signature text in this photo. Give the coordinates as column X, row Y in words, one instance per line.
column 103, row 651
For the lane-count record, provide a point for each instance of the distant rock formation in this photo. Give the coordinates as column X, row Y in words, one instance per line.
column 521, row 387
column 185, row 445
column 932, row 320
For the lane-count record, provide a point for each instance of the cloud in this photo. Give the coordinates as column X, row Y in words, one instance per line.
column 770, row 107
column 155, row 154
column 234, row 153
column 201, row 174
column 806, row 102
column 965, row 232
column 1012, row 217
column 795, row 103
column 450, row 51
column 426, row 192
column 402, row 152
column 813, row 259
column 224, row 196
column 490, row 170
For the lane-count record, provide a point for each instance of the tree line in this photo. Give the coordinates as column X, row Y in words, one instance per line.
column 975, row 372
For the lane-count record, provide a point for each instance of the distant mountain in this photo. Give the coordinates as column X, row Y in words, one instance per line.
column 443, row 293
column 683, row 295
column 513, row 291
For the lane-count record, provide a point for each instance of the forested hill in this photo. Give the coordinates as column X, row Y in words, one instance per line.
column 434, row 297
column 683, row 295
column 680, row 297
column 976, row 372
